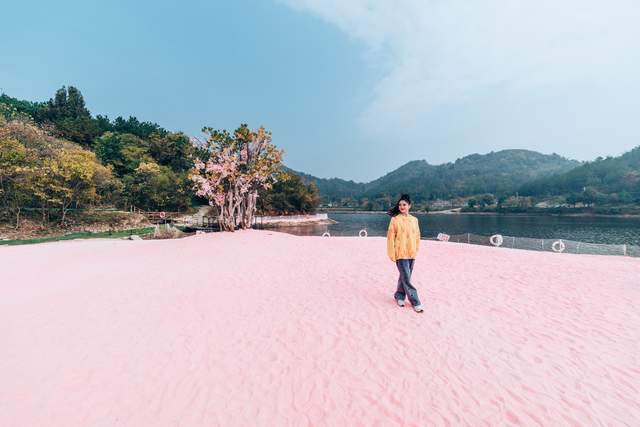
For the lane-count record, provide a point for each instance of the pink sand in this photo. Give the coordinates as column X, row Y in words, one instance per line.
column 259, row 328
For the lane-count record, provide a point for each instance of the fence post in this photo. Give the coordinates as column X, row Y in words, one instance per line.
column 625, row 249
column 468, row 238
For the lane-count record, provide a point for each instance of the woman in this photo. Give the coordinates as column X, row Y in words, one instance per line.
column 403, row 243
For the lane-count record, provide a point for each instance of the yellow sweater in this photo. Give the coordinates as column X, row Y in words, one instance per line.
column 403, row 237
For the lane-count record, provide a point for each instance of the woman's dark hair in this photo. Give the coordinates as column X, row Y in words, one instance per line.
column 396, row 209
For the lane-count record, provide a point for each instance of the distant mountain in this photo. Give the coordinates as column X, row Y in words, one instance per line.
column 611, row 175
column 502, row 172
column 332, row 189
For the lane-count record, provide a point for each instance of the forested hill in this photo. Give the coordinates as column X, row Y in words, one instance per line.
column 616, row 177
column 147, row 167
column 499, row 173
column 55, row 155
column 332, row 188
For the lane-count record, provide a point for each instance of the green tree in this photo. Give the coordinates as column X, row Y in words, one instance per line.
column 289, row 195
column 18, row 109
column 573, row 199
column 171, row 149
column 40, row 171
column 124, row 152
column 501, row 201
column 154, row 187
column 73, row 173
column 14, row 176
column 589, row 196
column 487, row 200
column 69, row 115
column 135, row 127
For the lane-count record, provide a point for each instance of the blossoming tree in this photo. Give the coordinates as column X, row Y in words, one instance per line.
column 230, row 169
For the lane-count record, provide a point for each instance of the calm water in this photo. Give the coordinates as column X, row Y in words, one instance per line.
column 614, row 230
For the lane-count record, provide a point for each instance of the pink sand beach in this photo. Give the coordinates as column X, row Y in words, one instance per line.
column 258, row 328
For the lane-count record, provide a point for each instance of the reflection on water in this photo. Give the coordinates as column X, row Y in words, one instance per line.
column 611, row 230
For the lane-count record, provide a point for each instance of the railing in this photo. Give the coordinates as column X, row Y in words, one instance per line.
column 203, row 222
column 532, row 244
column 159, row 216
column 549, row 245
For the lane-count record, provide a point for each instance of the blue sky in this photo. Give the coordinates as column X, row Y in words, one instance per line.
column 349, row 89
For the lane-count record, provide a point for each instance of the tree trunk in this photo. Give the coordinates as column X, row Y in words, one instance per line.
column 65, row 208
column 226, row 213
column 18, row 217
column 241, row 212
column 249, row 209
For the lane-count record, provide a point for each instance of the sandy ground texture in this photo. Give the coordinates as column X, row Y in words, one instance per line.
column 259, row 328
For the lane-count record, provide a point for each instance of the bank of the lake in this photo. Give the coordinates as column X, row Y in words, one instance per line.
column 616, row 230
column 275, row 221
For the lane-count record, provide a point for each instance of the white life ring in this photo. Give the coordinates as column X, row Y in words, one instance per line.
column 363, row 233
column 558, row 246
column 326, row 234
column 496, row 240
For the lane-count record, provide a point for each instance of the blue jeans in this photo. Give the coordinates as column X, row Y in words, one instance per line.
column 405, row 288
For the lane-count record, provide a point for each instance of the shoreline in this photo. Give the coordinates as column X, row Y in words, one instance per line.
column 279, row 224
column 276, row 221
column 577, row 215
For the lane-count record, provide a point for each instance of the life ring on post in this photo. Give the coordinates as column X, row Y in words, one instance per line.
column 162, row 215
column 558, row 246
column 326, row 234
column 363, row 233
column 496, row 240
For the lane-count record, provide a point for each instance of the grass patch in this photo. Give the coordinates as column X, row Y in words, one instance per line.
column 81, row 235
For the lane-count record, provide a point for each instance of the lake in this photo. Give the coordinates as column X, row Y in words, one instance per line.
column 609, row 230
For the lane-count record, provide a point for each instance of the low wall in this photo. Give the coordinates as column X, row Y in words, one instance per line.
column 292, row 219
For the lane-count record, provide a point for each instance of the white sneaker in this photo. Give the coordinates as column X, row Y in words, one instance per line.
column 400, row 302
column 418, row 308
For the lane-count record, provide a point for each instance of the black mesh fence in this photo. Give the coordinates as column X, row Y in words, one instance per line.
column 550, row 245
